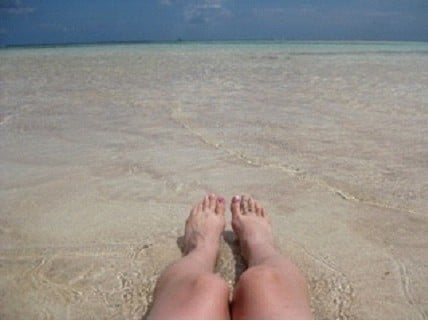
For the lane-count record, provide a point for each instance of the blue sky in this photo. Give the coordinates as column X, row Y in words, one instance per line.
column 71, row 21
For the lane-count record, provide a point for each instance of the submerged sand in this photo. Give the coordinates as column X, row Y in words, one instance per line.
column 105, row 149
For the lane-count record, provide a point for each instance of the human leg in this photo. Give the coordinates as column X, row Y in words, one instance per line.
column 272, row 287
column 189, row 289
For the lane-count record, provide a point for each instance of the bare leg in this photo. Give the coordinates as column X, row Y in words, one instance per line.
column 272, row 287
column 189, row 289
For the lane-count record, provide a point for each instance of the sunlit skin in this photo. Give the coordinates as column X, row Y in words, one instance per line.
column 271, row 288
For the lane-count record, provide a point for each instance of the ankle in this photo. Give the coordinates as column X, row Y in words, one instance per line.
column 261, row 253
column 204, row 256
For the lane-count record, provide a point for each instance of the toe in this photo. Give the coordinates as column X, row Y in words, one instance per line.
column 205, row 203
column 258, row 208
column 212, row 201
column 251, row 205
column 193, row 211
column 235, row 206
column 244, row 205
column 219, row 206
column 197, row 209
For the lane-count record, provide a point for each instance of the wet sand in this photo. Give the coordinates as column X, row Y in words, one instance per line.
column 105, row 149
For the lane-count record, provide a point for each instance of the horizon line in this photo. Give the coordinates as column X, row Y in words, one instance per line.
column 180, row 40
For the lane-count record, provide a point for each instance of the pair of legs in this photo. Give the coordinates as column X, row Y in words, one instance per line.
column 271, row 288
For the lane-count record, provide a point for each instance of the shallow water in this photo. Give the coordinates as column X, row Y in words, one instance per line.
column 105, row 148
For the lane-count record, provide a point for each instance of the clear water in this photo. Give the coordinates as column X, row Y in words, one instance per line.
column 103, row 149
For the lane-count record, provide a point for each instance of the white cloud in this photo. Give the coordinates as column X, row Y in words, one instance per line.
column 279, row 12
column 206, row 11
column 14, row 7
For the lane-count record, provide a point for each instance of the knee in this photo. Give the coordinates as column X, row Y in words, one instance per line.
column 210, row 282
column 272, row 275
column 261, row 273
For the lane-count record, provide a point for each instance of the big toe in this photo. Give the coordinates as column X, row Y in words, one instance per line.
column 235, row 206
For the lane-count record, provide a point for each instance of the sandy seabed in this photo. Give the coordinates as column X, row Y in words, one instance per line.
column 104, row 149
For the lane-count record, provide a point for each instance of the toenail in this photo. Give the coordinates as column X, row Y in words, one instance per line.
column 236, row 198
column 221, row 199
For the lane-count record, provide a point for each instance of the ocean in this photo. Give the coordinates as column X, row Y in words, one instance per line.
column 104, row 148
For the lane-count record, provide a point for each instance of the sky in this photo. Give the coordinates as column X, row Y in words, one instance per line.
column 32, row 22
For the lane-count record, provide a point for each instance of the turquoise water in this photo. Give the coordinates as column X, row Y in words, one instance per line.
column 322, row 85
column 290, row 47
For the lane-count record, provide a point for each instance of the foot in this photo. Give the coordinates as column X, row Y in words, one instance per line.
column 253, row 228
column 203, row 229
